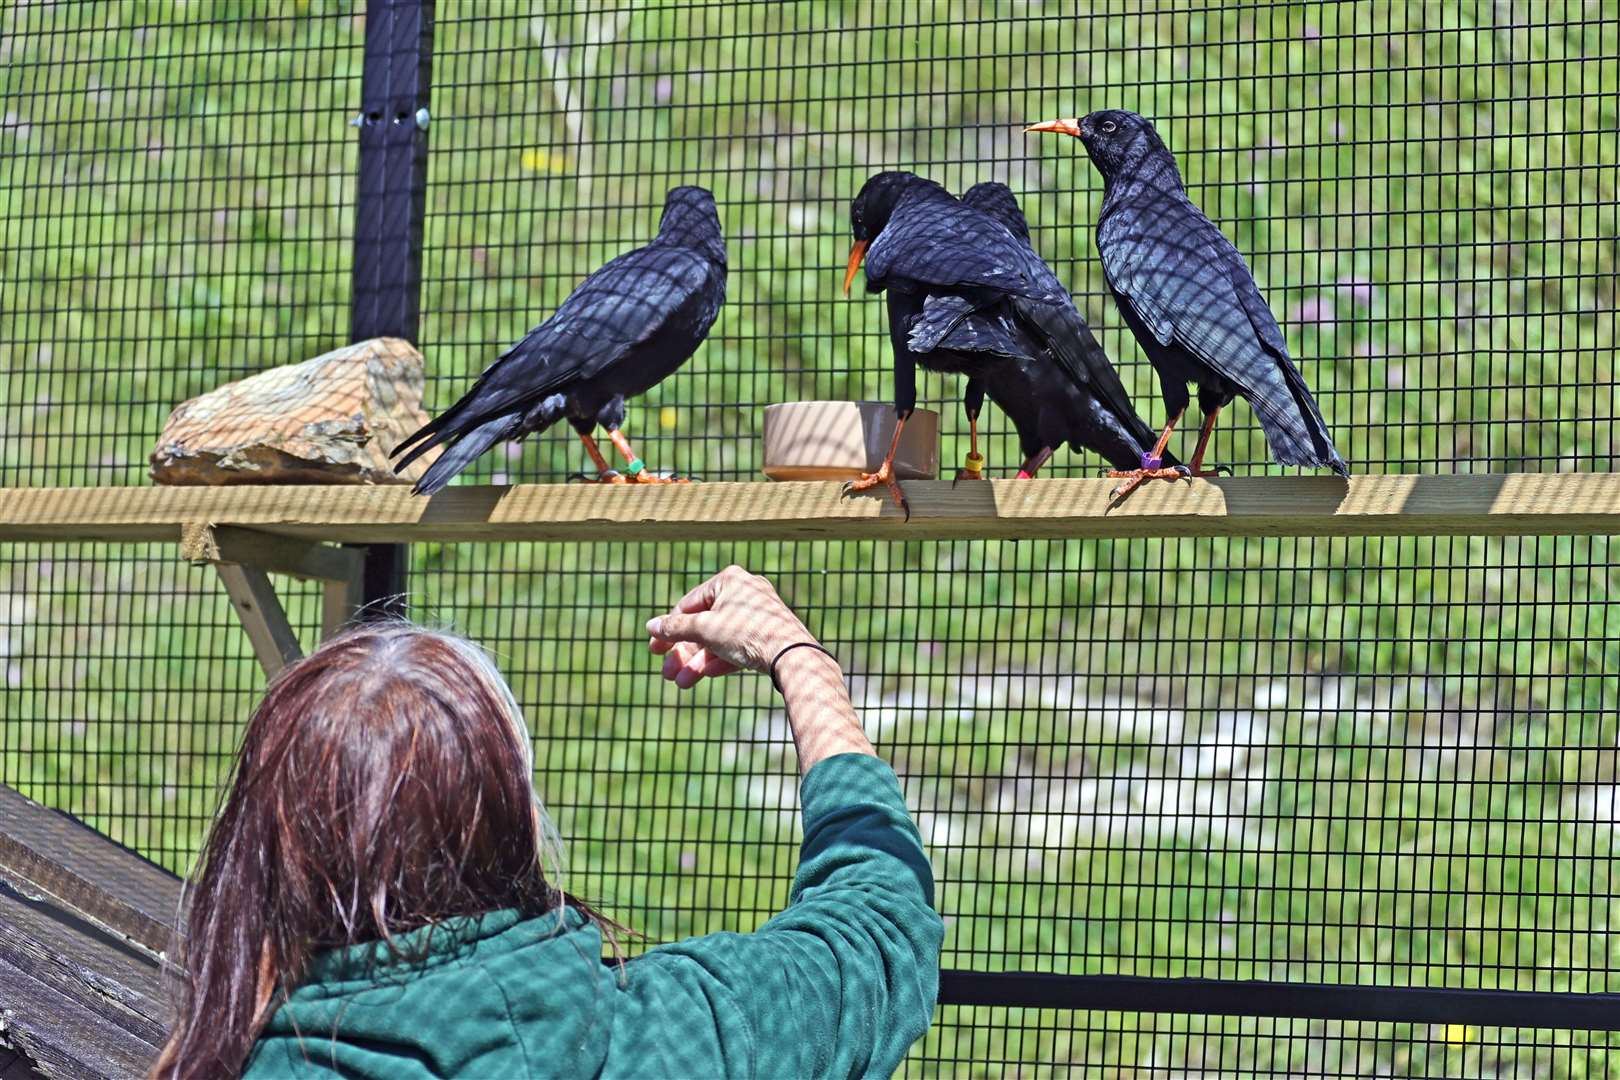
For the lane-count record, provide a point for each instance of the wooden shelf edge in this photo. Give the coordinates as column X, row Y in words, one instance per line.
column 1488, row 504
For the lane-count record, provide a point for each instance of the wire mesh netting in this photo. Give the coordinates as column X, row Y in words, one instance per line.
column 1369, row 761
column 178, row 205
column 1143, row 1045
column 1193, row 767
column 1429, row 202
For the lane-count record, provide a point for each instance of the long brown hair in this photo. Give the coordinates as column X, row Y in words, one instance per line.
column 384, row 784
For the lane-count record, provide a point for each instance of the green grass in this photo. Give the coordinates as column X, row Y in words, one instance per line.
column 1366, row 761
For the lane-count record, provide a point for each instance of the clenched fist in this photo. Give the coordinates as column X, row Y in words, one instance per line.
column 732, row 621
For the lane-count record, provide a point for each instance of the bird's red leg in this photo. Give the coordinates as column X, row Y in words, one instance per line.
column 885, row 473
column 1034, row 464
column 1203, row 444
column 634, row 467
column 604, row 472
column 973, row 467
column 1152, row 464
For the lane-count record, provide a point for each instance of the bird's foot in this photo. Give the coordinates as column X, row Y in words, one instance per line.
column 885, row 476
column 606, row 476
column 647, row 476
column 1152, row 468
column 1135, row 478
column 636, row 472
column 1214, row 470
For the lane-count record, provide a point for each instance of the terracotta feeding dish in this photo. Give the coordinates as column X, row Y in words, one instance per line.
column 839, row 440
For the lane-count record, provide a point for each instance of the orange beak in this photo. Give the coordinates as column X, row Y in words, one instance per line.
column 1069, row 125
column 856, row 254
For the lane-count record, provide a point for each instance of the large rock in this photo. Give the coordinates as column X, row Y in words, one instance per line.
column 330, row 420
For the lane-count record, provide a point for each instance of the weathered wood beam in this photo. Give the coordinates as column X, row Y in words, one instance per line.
column 70, row 1018
column 57, row 855
column 83, row 923
column 1490, row 504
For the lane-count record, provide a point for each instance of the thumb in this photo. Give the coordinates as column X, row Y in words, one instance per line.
column 678, row 627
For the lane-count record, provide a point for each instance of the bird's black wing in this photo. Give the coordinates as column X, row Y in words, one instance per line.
column 939, row 244
column 1190, row 286
column 952, row 323
column 622, row 305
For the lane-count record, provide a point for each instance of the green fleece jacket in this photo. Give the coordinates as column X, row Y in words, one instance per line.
column 839, row 984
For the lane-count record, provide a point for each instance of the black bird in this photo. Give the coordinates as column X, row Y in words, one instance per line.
column 1189, row 298
column 622, row 331
column 1046, row 406
column 952, row 268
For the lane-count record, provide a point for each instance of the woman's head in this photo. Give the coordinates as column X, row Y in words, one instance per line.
column 384, row 784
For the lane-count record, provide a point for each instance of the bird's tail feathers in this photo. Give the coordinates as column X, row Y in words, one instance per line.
column 430, row 435
column 416, row 438
column 476, row 396
column 459, row 454
column 449, row 425
column 1293, row 442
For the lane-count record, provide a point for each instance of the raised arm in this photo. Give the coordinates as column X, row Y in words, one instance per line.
column 842, row 981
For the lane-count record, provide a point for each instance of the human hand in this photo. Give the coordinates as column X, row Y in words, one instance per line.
column 732, row 621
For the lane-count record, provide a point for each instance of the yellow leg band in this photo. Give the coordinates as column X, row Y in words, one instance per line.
column 973, row 463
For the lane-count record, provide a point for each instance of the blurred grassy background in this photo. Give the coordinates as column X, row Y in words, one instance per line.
column 1369, row 761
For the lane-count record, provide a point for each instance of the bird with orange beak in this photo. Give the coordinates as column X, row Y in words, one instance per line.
column 946, row 265
column 1190, row 300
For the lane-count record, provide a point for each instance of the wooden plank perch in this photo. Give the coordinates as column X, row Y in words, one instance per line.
column 1562, row 503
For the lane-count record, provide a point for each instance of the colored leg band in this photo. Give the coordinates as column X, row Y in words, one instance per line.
column 635, row 467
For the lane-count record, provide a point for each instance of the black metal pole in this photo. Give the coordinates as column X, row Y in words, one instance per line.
column 391, row 202
column 1313, row 1001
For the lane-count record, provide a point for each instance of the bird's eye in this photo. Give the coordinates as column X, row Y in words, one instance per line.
column 1109, row 126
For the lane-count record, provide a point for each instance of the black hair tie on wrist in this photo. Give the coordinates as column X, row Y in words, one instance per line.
column 789, row 648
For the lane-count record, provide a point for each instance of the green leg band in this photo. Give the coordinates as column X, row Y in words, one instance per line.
column 635, row 467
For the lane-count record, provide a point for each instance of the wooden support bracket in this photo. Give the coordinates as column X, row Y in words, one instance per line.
column 244, row 557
